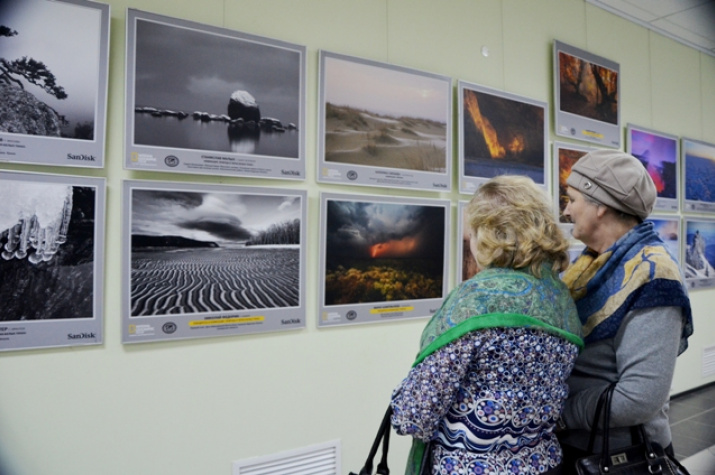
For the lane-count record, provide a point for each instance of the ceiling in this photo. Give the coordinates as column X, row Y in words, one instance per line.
column 691, row 22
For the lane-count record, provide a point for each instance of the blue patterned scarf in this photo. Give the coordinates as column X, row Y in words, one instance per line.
column 636, row 272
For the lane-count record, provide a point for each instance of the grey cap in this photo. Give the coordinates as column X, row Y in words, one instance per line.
column 615, row 179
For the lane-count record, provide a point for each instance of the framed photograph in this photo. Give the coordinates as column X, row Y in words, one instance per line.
column 699, row 252
column 383, row 125
column 500, row 134
column 586, row 96
column 211, row 260
column 565, row 156
column 51, row 260
column 212, row 101
column 381, row 258
column 660, row 155
column 54, row 89
column 466, row 265
column 668, row 228
column 699, row 175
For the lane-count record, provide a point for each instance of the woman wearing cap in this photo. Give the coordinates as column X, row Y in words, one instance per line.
column 631, row 301
column 489, row 382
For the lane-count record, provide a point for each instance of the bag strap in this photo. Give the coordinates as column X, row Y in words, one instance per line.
column 597, row 416
column 383, row 436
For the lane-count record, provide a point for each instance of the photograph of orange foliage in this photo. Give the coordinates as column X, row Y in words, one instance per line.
column 587, row 96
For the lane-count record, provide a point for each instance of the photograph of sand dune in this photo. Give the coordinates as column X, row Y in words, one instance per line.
column 383, row 125
column 382, row 258
column 206, row 260
column 500, row 134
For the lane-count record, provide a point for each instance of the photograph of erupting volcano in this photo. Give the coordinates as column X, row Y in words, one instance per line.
column 587, row 96
column 383, row 125
column 51, row 260
column 500, row 134
column 659, row 154
column 383, row 258
column 699, row 175
column 203, row 260
column 699, row 252
column 565, row 155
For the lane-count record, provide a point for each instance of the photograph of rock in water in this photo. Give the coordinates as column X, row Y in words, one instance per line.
column 51, row 253
column 500, row 133
column 192, row 87
column 214, row 258
column 53, row 82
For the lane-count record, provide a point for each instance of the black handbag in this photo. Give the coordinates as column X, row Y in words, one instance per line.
column 643, row 457
column 383, row 436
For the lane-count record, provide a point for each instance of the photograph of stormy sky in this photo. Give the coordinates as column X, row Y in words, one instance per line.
column 376, row 252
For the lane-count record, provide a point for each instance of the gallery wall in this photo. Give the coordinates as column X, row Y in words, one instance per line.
column 195, row 406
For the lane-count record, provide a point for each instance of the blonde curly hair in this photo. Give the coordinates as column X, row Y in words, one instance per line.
column 515, row 226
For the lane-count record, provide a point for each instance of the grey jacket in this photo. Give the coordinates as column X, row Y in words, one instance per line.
column 641, row 358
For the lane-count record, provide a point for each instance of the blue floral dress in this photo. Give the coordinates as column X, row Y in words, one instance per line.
column 489, row 383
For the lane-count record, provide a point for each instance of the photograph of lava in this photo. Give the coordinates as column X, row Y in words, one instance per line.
column 659, row 154
column 501, row 134
column 382, row 251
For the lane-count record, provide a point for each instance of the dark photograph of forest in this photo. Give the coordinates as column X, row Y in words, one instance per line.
column 588, row 89
column 383, row 252
column 502, row 136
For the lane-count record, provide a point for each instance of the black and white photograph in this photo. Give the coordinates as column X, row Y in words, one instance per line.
column 383, row 125
column 699, row 252
column 51, row 260
column 500, row 134
column 54, row 82
column 211, row 260
column 382, row 258
column 209, row 100
column 587, row 96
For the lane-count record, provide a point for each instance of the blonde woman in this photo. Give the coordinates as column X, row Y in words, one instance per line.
column 489, row 382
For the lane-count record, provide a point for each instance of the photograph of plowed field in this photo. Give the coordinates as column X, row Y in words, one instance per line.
column 198, row 252
column 214, row 280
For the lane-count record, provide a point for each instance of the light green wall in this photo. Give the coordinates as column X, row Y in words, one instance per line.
column 192, row 407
